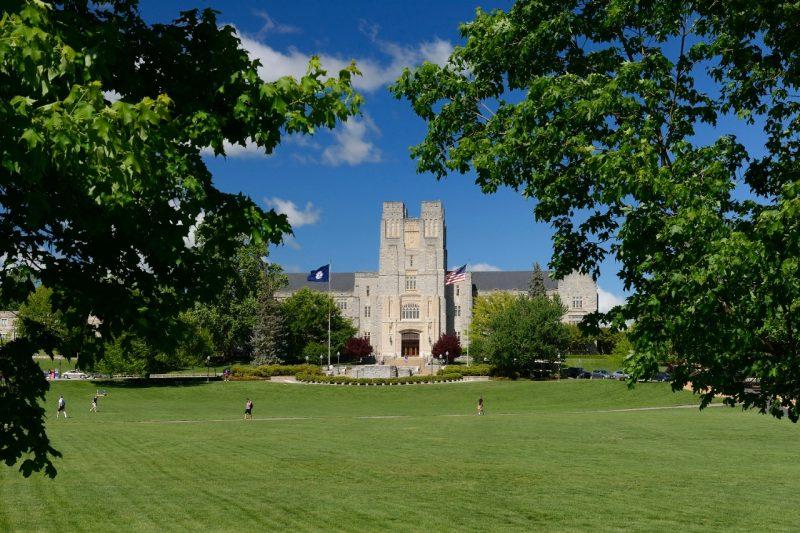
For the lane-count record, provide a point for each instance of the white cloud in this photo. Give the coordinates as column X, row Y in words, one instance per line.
column 351, row 146
column 291, row 242
column 297, row 217
column 483, row 267
column 606, row 300
column 250, row 149
column 190, row 241
column 271, row 26
column 374, row 74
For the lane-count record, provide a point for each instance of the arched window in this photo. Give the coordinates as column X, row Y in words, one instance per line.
column 410, row 312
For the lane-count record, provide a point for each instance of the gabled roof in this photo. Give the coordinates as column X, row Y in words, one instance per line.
column 340, row 282
column 509, row 280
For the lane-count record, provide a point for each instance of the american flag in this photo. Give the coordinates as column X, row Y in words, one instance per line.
column 454, row 276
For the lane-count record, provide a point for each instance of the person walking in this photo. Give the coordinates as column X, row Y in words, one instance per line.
column 62, row 407
column 93, row 409
column 480, row 405
column 248, row 409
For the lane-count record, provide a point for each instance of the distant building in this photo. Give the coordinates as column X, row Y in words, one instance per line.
column 8, row 326
column 405, row 306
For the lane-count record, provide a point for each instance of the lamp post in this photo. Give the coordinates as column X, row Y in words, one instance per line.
column 446, row 357
column 337, row 363
column 208, row 368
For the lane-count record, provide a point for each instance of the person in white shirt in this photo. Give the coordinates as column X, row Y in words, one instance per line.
column 62, row 407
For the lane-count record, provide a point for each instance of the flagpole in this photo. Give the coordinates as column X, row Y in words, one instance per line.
column 330, row 275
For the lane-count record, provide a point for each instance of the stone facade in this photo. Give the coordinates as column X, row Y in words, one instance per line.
column 8, row 326
column 404, row 307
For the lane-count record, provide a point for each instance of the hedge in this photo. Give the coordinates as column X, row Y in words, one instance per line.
column 347, row 380
column 471, row 370
column 266, row 371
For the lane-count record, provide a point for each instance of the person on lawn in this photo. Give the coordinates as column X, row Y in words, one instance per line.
column 248, row 409
column 62, row 407
column 93, row 409
column 480, row 405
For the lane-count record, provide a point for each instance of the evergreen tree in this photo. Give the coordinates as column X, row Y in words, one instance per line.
column 270, row 333
column 536, row 284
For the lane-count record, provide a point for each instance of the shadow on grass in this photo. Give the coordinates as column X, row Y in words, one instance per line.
column 141, row 383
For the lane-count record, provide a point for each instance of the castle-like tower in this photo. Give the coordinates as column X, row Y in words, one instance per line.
column 405, row 307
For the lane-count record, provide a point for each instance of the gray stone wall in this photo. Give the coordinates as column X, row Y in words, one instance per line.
column 8, row 326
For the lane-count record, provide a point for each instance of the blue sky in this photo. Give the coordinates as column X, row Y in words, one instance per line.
column 332, row 184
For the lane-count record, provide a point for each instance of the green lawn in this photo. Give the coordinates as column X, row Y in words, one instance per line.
column 548, row 455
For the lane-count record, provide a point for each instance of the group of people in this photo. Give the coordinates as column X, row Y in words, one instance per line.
column 61, row 406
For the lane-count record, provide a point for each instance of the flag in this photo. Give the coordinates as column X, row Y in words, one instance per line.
column 320, row 274
column 454, row 276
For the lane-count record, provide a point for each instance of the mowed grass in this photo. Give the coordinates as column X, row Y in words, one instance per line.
column 548, row 455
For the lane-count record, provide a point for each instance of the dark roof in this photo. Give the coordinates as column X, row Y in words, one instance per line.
column 340, row 282
column 509, row 280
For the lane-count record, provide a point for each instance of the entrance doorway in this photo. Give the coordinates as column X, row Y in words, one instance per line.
column 409, row 344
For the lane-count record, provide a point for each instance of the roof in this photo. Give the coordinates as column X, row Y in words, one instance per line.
column 340, row 282
column 509, row 280
column 502, row 280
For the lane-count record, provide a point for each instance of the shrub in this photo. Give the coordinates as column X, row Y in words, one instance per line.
column 356, row 348
column 447, row 345
column 347, row 380
column 472, row 370
column 266, row 371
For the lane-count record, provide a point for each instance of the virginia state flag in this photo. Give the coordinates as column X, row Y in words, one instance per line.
column 320, row 274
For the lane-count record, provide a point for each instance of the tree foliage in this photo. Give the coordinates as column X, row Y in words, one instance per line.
column 269, row 332
column 525, row 337
column 536, row 285
column 357, row 348
column 663, row 133
column 446, row 347
column 102, row 185
column 306, row 314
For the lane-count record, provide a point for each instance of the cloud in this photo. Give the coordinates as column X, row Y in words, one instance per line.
column 291, row 242
column 249, row 150
column 483, row 267
column 271, row 26
column 190, row 241
column 297, row 217
column 351, row 146
column 375, row 74
column 606, row 300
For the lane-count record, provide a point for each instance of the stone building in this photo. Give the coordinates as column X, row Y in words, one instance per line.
column 404, row 307
column 8, row 326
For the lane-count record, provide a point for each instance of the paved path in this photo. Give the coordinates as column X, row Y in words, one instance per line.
column 391, row 417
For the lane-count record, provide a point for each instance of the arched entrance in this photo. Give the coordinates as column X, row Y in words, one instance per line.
column 409, row 343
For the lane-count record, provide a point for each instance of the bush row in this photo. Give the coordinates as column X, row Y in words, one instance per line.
column 347, row 380
column 267, row 371
column 471, row 370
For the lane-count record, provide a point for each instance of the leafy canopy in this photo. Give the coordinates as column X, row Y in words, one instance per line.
column 623, row 120
column 104, row 195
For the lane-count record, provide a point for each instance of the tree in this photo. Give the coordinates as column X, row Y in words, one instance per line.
column 485, row 308
column 526, row 337
column 357, row 348
column 447, row 346
column 536, row 286
column 105, row 197
column 306, row 313
column 36, row 317
column 269, row 333
column 621, row 119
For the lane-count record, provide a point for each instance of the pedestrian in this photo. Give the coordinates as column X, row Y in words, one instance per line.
column 93, row 409
column 248, row 409
column 480, row 405
column 62, row 407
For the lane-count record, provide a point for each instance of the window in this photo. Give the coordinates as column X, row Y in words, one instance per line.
column 458, row 335
column 410, row 312
column 366, row 335
column 458, row 310
column 458, row 290
column 411, row 260
column 411, row 283
column 366, row 311
column 342, row 305
column 3, row 322
column 577, row 302
column 367, row 290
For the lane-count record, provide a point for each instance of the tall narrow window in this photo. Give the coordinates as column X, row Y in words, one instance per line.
column 458, row 310
column 458, row 335
column 411, row 260
column 367, row 311
column 458, row 291
column 577, row 302
column 366, row 335
column 411, row 283
column 367, row 290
